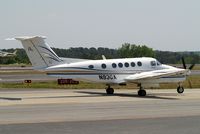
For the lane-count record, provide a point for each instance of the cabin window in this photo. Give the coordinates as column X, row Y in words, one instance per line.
column 103, row 66
column 126, row 64
column 153, row 63
column 120, row 65
column 90, row 66
column 114, row 65
column 133, row 64
column 139, row 63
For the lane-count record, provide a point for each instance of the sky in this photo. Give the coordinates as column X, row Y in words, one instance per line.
column 168, row 25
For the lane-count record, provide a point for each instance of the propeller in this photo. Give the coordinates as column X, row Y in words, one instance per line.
column 189, row 69
column 184, row 65
column 183, row 62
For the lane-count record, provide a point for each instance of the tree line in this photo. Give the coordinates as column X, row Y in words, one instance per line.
column 127, row 50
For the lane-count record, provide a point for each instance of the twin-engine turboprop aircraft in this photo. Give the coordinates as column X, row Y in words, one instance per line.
column 146, row 72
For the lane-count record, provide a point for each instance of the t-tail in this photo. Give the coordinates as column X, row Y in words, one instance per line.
column 39, row 52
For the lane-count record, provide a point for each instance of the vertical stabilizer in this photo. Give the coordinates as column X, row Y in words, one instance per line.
column 39, row 52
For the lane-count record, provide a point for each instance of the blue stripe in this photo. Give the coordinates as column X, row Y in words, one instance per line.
column 51, row 53
column 100, row 73
column 92, row 69
column 173, row 77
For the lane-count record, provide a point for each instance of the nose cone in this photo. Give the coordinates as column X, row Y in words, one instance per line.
column 167, row 67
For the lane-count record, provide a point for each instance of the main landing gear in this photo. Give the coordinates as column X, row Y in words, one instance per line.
column 109, row 90
column 142, row 92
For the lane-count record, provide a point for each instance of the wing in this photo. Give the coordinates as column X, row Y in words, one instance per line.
column 155, row 74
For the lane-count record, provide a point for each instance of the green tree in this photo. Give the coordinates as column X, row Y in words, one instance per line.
column 131, row 50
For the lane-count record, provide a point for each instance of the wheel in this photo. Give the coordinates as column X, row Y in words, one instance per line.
column 142, row 92
column 110, row 91
column 180, row 89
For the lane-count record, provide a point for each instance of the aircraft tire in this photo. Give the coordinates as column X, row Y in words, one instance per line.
column 110, row 91
column 180, row 89
column 142, row 92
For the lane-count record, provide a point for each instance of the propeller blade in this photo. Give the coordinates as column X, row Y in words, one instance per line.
column 183, row 61
column 191, row 66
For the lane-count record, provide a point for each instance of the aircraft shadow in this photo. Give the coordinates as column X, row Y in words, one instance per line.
column 46, row 97
column 150, row 96
column 9, row 98
column 98, row 94
column 76, row 96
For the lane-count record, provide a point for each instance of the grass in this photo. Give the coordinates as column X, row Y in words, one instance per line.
column 20, row 72
column 52, row 84
column 196, row 67
column 15, row 65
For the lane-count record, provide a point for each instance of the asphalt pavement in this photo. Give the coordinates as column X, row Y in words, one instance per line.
column 90, row 111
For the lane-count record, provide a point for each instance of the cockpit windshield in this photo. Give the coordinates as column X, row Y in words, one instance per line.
column 158, row 63
column 153, row 63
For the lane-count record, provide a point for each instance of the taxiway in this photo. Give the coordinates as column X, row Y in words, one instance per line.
column 92, row 111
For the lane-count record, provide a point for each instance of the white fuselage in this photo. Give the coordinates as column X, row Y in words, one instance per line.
column 112, row 71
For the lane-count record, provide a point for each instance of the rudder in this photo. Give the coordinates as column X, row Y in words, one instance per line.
column 39, row 52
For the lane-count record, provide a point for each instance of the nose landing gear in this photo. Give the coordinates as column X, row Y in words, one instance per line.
column 180, row 89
